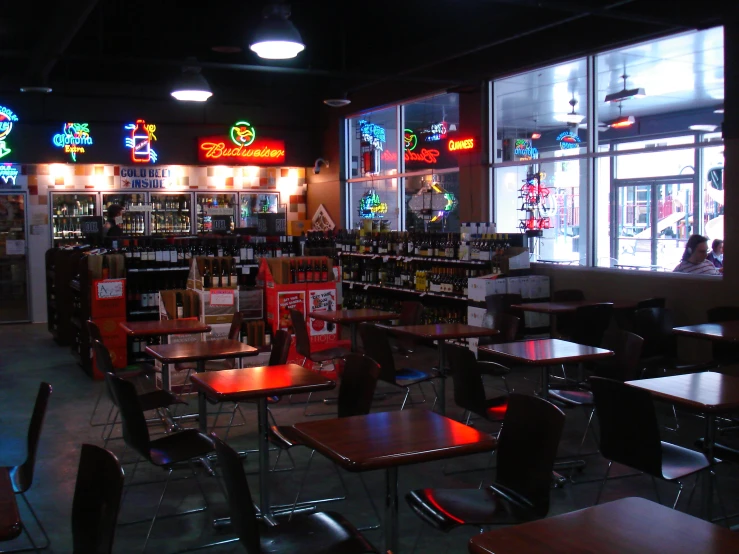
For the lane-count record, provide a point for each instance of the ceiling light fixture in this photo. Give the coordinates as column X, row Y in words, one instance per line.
column 276, row 38
column 625, row 94
column 338, row 102
column 191, row 86
column 572, row 117
column 622, row 121
column 36, row 88
column 704, row 128
column 720, row 109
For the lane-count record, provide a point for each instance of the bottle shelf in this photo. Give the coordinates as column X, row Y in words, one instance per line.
column 386, row 257
column 150, row 269
column 366, row 286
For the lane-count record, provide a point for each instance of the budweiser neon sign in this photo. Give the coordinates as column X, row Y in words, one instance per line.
column 461, row 144
column 425, row 155
column 222, row 150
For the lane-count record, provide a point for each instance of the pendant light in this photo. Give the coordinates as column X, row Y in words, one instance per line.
column 191, row 86
column 276, row 38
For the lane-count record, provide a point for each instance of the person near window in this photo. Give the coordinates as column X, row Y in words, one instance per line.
column 694, row 258
column 716, row 255
column 112, row 227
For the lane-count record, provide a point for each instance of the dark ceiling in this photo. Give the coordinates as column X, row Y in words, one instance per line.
column 137, row 48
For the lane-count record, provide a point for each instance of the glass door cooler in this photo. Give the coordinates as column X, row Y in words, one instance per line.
column 171, row 213
column 67, row 211
column 135, row 207
column 253, row 203
column 210, row 205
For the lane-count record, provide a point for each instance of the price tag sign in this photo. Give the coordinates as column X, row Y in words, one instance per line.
column 221, row 297
column 220, row 211
column 91, row 225
column 139, row 208
column 109, row 289
column 221, row 223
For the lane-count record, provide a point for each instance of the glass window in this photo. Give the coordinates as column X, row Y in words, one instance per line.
column 376, row 201
column 429, row 126
column 373, row 143
column 712, row 162
column 432, row 202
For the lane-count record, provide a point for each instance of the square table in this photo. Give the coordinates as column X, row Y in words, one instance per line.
column 441, row 332
column 256, row 383
column 708, row 393
column 386, row 440
column 545, row 352
column 353, row 318
column 10, row 519
column 200, row 352
column 163, row 327
column 626, row 526
column 725, row 331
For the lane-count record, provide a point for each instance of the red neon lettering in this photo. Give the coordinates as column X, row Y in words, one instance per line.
column 425, row 155
column 215, row 150
column 461, row 144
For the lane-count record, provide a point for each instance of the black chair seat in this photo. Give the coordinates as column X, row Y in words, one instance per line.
column 327, row 532
column 407, row 377
column 284, row 436
column 158, row 399
column 572, row 397
column 446, row 509
column 179, row 447
column 678, row 462
column 328, row 354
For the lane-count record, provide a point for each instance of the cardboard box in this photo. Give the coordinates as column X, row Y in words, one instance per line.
column 515, row 258
column 168, row 304
column 480, row 287
column 251, row 303
column 198, row 264
column 475, row 316
column 218, row 305
column 110, row 327
column 539, row 286
column 297, row 227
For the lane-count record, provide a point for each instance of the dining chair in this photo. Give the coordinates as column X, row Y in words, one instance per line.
column 507, row 326
column 376, row 343
column 96, row 501
column 723, row 353
column 303, row 534
column 411, row 313
column 527, row 447
column 566, row 322
column 234, row 333
column 21, row 476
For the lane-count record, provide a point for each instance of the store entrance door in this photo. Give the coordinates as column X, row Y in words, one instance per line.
column 14, row 307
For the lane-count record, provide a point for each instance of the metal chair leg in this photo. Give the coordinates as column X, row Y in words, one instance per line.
column 679, row 492
column 156, row 513
column 95, row 409
column 656, row 491
column 405, row 399
column 603, row 484
column 302, row 482
column 587, row 428
column 33, row 546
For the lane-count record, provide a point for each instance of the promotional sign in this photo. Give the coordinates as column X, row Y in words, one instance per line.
column 321, row 301
column 241, row 146
column 287, row 301
column 73, row 138
column 7, row 118
column 139, row 140
column 568, row 140
column 9, row 174
column 140, row 177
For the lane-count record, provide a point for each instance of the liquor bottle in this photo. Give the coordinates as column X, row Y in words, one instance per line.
column 293, row 272
column 207, row 280
column 324, row 271
column 301, row 272
column 234, row 279
column 180, row 306
column 309, row 271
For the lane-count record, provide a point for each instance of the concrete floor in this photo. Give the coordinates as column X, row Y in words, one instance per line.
column 29, row 356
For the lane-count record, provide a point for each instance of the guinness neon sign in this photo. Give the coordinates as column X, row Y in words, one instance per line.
column 461, row 144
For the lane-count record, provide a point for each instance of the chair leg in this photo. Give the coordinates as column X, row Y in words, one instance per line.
column 107, row 422
column 34, row 547
column 603, row 484
column 110, row 431
column 95, row 409
column 720, row 500
column 405, row 399
column 679, row 492
column 302, row 482
column 156, row 513
column 372, row 502
column 587, row 428
column 656, row 491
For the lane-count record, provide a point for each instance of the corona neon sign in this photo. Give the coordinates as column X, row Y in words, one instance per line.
column 524, row 148
column 139, row 141
column 7, row 118
column 461, row 144
column 73, row 138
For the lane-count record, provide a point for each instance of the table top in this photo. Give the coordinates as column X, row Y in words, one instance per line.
column 706, row 392
column 442, row 331
column 386, row 439
column 257, row 382
column 10, row 519
column 163, row 327
column 545, row 351
column 567, row 306
column 626, row 526
column 354, row 316
column 200, row 350
column 567, row 261
column 726, row 331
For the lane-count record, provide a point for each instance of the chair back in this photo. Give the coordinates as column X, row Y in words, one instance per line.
column 234, row 332
column 724, row 352
column 624, row 364
column 240, row 503
column 654, row 325
column 656, row 302
column 281, row 342
column 133, row 421
column 357, row 385
column 527, row 448
column 22, row 475
column 590, row 323
column 375, row 341
column 302, row 340
column 501, row 303
column 567, row 295
column 411, row 313
column 629, row 432
column 507, row 324
column 97, row 500
column 469, row 391
column 94, row 331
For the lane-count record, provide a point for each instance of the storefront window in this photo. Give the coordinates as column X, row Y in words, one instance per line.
column 429, row 126
column 375, row 201
column 432, row 202
column 373, row 143
column 712, row 184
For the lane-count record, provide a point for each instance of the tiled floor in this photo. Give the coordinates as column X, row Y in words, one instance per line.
column 29, row 356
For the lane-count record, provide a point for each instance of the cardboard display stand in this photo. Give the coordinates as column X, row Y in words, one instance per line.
column 108, row 310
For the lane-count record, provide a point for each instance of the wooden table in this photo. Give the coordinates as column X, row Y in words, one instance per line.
column 626, row 526
column 163, row 327
column 200, row 352
column 544, row 353
column 725, row 331
column 10, row 519
column 441, row 332
column 567, row 307
column 354, row 317
column 708, row 393
column 256, row 383
column 387, row 440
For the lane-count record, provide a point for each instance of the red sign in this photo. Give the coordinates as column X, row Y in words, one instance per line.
column 424, row 155
column 461, row 144
column 221, row 150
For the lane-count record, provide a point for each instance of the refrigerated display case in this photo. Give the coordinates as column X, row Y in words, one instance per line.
column 13, row 258
column 213, row 204
column 171, row 213
column 135, row 209
column 67, row 209
column 253, row 203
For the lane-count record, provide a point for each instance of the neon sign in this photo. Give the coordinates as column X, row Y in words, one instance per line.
column 524, row 148
column 8, row 174
column 7, row 118
column 372, row 133
column 436, row 131
column 73, row 138
column 221, row 150
column 142, row 135
column 410, row 140
column 425, row 155
column 242, row 133
column 567, row 140
column 461, row 144
column 370, row 206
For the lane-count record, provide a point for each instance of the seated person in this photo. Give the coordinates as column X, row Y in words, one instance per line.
column 694, row 258
column 716, row 255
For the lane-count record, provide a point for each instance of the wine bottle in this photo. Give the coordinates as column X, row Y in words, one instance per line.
column 180, row 306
